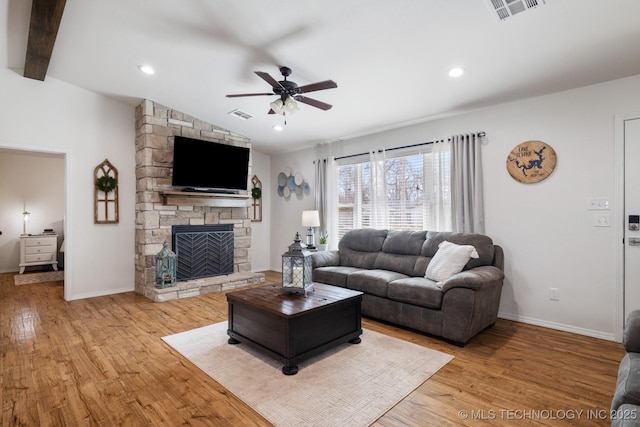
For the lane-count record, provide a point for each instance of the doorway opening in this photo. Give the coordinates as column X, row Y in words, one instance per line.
column 35, row 181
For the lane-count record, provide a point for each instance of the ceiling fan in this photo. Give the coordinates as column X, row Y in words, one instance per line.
column 290, row 91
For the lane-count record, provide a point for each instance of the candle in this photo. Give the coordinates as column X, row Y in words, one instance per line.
column 297, row 277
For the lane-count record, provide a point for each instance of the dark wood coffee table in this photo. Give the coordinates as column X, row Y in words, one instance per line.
column 292, row 328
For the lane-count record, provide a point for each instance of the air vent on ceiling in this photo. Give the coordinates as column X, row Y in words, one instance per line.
column 240, row 114
column 504, row 9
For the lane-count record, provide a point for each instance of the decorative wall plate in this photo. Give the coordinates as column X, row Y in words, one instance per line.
column 292, row 184
column 531, row 161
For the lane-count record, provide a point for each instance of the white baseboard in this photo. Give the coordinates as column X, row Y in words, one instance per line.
column 559, row 326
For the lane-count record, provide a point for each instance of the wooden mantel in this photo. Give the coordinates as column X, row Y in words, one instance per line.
column 219, row 200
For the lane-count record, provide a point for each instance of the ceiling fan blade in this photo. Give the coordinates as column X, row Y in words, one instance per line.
column 267, row 78
column 313, row 102
column 327, row 84
column 249, row 94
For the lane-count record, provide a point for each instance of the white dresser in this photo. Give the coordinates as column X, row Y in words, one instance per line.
column 38, row 249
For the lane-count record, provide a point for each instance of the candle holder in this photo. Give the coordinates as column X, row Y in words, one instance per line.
column 297, row 269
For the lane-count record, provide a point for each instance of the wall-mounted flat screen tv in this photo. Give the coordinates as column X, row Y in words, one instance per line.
column 209, row 166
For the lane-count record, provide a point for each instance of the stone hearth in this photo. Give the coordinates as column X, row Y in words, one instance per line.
column 156, row 213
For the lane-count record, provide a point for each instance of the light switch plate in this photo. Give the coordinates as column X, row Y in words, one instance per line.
column 598, row 204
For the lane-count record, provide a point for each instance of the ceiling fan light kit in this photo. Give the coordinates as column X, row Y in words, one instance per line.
column 289, row 92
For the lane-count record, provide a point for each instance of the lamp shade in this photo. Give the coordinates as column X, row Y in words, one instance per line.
column 277, row 106
column 310, row 219
column 291, row 106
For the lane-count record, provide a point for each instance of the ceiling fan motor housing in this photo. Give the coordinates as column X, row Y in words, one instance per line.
column 288, row 88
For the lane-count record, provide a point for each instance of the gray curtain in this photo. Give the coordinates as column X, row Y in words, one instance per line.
column 467, row 203
column 322, row 193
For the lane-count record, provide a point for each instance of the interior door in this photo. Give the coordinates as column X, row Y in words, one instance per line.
column 631, row 215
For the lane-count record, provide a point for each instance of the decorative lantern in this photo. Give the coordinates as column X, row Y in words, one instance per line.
column 297, row 269
column 166, row 262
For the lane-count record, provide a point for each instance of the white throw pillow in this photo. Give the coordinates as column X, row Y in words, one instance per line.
column 449, row 260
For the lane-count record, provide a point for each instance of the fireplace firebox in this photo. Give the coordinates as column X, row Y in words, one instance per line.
column 202, row 250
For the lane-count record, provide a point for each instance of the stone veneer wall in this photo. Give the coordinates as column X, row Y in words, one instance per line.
column 156, row 125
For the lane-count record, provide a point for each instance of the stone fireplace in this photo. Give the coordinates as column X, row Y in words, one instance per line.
column 159, row 208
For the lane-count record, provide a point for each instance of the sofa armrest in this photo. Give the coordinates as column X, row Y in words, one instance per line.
column 631, row 335
column 325, row 258
column 475, row 278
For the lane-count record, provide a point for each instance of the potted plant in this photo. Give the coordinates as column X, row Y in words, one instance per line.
column 324, row 239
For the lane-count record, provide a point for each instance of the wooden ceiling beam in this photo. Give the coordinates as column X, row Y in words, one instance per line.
column 43, row 29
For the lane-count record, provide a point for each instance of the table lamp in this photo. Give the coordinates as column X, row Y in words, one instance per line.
column 25, row 219
column 310, row 219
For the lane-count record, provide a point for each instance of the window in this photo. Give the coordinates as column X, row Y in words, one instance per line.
column 408, row 205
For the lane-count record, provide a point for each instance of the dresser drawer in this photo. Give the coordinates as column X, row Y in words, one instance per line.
column 38, row 250
column 39, row 257
column 41, row 241
column 30, row 250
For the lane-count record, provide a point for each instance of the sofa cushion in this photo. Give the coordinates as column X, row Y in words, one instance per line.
column 421, row 266
column 359, row 248
column 334, row 275
column 374, row 282
column 626, row 416
column 400, row 251
column 631, row 336
column 628, row 382
column 404, row 242
column 483, row 244
column 404, row 264
column 449, row 260
column 416, row 291
column 325, row 258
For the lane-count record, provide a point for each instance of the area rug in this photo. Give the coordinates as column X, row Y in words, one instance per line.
column 351, row 385
column 47, row 276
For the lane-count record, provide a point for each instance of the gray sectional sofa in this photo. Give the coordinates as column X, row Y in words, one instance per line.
column 625, row 405
column 389, row 268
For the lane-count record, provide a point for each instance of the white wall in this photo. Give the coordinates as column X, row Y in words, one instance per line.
column 261, row 231
column 545, row 228
column 52, row 116
column 35, row 182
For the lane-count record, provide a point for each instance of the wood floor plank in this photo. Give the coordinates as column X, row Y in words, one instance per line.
column 102, row 361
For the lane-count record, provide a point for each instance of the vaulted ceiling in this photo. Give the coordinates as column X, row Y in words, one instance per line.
column 389, row 58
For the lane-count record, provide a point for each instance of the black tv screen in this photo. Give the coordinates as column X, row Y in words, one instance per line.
column 209, row 166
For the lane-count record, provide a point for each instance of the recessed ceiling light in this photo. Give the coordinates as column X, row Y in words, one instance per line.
column 278, row 128
column 147, row 69
column 456, row 72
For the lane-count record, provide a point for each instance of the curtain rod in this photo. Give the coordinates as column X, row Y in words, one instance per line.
column 479, row 134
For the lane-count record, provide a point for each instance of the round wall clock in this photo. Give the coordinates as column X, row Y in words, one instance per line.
column 531, row 161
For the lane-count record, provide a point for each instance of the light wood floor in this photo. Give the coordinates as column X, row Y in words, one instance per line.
column 101, row 361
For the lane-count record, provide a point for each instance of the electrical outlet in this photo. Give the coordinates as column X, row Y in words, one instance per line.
column 554, row 294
